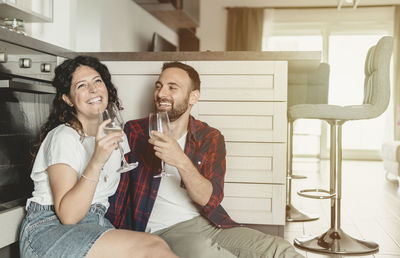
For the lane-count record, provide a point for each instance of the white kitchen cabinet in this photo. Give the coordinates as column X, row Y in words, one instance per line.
column 246, row 101
column 27, row 10
column 10, row 222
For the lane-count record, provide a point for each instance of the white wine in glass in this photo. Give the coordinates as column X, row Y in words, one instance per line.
column 159, row 122
column 116, row 125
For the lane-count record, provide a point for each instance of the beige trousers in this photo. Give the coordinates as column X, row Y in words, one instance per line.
column 198, row 238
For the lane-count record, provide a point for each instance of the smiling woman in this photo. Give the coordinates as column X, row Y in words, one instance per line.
column 74, row 154
column 88, row 96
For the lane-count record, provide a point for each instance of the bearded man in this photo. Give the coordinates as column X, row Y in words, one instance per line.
column 184, row 208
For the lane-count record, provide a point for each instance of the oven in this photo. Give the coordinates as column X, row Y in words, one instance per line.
column 26, row 95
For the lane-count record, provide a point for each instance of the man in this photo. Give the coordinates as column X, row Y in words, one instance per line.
column 184, row 209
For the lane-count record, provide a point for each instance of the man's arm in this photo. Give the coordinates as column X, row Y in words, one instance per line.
column 166, row 148
column 198, row 187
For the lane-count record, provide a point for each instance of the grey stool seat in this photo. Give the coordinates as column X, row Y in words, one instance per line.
column 376, row 100
column 334, row 112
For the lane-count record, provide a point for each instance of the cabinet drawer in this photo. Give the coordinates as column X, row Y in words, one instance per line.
column 255, row 87
column 255, row 162
column 242, row 80
column 245, row 121
column 255, row 203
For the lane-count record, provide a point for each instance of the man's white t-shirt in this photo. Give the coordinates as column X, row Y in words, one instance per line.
column 173, row 204
column 63, row 145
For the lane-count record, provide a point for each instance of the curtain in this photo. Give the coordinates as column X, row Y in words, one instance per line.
column 396, row 73
column 245, row 28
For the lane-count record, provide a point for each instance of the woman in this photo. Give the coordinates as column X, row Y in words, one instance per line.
column 74, row 173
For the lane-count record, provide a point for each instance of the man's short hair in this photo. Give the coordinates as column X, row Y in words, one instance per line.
column 193, row 74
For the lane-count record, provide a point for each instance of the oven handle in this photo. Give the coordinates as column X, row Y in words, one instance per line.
column 27, row 86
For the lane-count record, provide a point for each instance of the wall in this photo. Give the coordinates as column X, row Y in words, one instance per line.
column 100, row 26
column 61, row 31
column 213, row 17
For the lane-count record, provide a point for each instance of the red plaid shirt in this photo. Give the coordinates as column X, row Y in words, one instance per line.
column 133, row 202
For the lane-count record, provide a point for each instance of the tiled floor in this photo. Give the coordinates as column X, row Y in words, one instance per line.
column 370, row 205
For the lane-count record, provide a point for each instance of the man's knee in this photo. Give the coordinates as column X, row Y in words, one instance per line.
column 194, row 246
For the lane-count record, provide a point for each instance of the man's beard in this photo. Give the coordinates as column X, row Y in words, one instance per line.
column 177, row 111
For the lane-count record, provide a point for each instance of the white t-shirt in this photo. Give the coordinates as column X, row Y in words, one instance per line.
column 173, row 204
column 63, row 145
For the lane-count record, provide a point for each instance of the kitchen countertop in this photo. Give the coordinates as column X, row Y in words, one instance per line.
column 34, row 44
column 297, row 60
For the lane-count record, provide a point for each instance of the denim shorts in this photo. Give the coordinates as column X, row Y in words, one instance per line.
column 42, row 234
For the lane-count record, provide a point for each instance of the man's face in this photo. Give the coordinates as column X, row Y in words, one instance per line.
column 172, row 92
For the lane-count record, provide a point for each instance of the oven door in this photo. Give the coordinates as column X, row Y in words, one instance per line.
column 23, row 112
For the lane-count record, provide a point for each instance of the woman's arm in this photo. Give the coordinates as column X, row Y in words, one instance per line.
column 72, row 196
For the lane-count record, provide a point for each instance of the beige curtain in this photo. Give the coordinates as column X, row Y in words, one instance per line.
column 245, row 27
column 396, row 73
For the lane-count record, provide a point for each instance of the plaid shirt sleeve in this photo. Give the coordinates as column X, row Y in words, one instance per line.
column 214, row 169
column 209, row 158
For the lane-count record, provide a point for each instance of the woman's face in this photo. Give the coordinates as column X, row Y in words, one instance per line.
column 88, row 93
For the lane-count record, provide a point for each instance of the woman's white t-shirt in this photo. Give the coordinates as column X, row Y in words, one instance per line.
column 63, row 145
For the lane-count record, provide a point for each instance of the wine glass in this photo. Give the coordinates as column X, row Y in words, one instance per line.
column 159, row 122
column 116, row 125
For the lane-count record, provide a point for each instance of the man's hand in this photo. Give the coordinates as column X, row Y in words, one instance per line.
column 167, row 148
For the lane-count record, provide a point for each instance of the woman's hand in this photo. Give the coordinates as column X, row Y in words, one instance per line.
column 105, row 144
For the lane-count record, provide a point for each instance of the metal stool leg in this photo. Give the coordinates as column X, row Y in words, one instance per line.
column 335, row 240
column 293, row 214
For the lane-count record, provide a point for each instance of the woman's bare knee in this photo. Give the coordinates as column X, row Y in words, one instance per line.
column 155, row 246
column 126, row 243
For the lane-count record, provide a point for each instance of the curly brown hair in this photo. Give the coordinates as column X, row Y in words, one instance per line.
column 62, row 113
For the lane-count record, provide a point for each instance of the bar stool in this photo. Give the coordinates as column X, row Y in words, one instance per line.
column 376, row 100
column 304, row 89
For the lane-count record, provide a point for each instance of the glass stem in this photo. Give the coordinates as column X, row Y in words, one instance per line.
column 122, row 154
column 162, row 167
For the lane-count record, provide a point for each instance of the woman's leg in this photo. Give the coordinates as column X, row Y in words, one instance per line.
column 126, row 243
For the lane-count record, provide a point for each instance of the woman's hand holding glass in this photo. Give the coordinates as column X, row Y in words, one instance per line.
column 105, row 144
column 115, row 125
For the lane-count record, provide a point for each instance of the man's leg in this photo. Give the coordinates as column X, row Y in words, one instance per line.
column 245, row 242
column 186, row 241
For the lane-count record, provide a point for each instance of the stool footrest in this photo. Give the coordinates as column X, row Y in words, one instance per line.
column 326, row 194
column 297, row 177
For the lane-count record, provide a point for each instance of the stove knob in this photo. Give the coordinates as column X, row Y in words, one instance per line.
column 25, row 63
column 3, row 57
column 45, row 68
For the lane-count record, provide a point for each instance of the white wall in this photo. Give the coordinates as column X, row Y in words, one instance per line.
column 61, row 31
column 213, row 16
column 101, row 25
column 213, row 20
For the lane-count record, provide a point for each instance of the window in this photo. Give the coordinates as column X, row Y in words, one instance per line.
column 344, row 38
column 346, row 57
